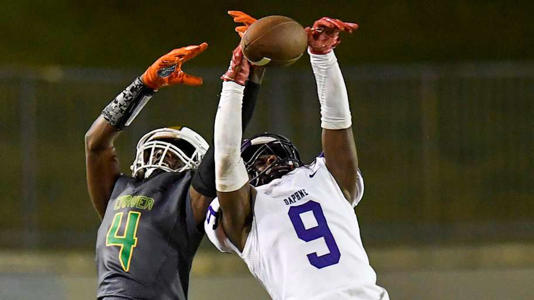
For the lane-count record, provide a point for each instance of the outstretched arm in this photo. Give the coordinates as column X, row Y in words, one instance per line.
column 231, row 177
column 203, row 189
column 337, row 139
column 102, row 165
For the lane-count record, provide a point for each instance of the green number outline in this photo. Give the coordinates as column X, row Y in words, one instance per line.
column 128, row 240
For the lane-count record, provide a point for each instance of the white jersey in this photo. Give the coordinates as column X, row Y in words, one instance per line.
column 304, row 242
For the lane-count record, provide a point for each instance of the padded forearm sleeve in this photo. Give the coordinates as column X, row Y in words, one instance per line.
column 126, row 106
column 250, row 98
column 335, row 111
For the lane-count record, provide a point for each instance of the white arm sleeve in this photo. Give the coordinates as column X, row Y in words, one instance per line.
column 335, row 111
column 230, row 172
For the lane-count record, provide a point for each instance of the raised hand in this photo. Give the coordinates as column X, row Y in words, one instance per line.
column 241, row 17
column 167, row 70
column 239, row 68
column 323, row 36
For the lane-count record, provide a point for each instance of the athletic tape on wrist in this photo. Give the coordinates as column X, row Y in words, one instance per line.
column 335, row 111
column 233, row 177
column 230, row 171
column 126, row 106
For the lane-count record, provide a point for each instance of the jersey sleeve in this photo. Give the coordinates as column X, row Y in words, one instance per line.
column 321, row 163
column 120, row 184
column 360, row 186
column 215, row 231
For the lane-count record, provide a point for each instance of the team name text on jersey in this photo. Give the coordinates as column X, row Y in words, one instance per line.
column 140, row 202
column 296, row 196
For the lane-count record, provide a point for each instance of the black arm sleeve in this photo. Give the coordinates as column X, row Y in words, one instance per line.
column 204, row 178
column 250, row 95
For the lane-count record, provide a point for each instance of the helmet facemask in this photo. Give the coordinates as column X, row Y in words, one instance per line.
column 169, row 150
column 255, row 150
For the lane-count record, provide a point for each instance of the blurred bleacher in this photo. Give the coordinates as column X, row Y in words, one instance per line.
column 445, row 149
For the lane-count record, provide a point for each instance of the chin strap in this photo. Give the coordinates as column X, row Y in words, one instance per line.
column 273, row 171
column 126, row 106
column 148, row 172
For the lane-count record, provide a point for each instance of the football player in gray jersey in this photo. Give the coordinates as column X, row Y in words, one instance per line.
column 152, row 220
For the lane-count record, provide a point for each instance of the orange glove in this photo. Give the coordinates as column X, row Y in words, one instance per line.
column 324, row 35
column 239, row 68
column 167, row 70
column 241, row 17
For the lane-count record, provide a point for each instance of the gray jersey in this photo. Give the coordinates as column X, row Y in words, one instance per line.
column 147, row 239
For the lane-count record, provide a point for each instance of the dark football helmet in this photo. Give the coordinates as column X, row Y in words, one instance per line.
column 253, row 149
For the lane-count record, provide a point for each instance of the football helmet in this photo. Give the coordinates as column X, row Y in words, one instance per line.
column 183, row 145
column 287, row 157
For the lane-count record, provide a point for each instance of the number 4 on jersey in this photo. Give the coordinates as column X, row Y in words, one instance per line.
column 128, row 240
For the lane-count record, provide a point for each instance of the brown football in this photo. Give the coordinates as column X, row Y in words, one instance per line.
column 274, row 41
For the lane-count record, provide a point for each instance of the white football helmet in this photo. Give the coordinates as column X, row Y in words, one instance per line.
column 183, row 143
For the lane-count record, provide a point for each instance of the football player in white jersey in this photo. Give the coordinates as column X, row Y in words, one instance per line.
column 293, row 224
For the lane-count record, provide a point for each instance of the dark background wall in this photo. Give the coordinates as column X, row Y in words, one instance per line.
column 115, row 33
column 441, row 94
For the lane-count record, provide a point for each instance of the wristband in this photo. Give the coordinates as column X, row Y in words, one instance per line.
column 126, row 106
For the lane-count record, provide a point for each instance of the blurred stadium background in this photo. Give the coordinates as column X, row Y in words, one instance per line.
column 442, row 95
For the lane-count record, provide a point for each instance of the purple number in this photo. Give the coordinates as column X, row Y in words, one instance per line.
column 211, row 212
column 320, row 231
column 215, row 214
